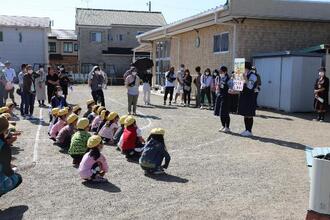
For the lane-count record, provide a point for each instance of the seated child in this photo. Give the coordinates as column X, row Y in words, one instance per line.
column 63, row 139
column 97, row 120
column 110, row 127
column 120, row 130
column 154, row 152
column 9, row 180
column 104, row 117
column 132, row 141
column 53, row 119
column 93, row 114
column 58, row 100
column 4, row 110
column 94, row 165
column 76, row 110
column 12, row 125
column 62, row 114
column 90, row 103
column 78, row 146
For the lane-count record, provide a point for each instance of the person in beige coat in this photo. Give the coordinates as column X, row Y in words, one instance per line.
column 40, row 84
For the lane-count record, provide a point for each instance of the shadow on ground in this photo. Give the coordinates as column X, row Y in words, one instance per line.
column 148, row 117
column 168, row 178
column 107, row 186
column 164, row 107
column 16, row 150
column 15, row 212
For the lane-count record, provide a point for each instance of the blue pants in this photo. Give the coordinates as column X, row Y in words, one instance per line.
column 28, row 102
column 8, row 183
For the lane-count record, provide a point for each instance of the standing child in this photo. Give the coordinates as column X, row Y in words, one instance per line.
column 93, row 114
column 78, row 146
column 132, row 141
column 90, row 103
column 154, row 153
column 63, row 139
column 108, row 130
column 62, row 114
column 120, row 130
column 97, row 120
column 94, row 165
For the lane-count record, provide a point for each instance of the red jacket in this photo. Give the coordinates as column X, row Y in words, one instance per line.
column 129, row 138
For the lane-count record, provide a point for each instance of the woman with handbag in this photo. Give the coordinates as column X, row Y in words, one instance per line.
column 187, row 80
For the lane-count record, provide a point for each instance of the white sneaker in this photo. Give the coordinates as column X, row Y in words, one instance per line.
column 246, row 134
column 227, row 130
column 201, row 107
column 222, row 129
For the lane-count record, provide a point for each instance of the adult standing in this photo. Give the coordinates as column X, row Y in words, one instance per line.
column 132, row 84
column 258, row 86
column 222, row 85
column 41, row 86
column 206, row 83
column 213, row 88
column 321, row 92
column 179, row 86
column 95, row 82
column 64, row 80
column 247, row 102
column 233, row 99
column 147, row 82
column 29, row 91
column 52, row 81
column 169, row 85
column 10, row 76
column 2, row 88
column 197, row 82
column 187, row 81
column 20, row 83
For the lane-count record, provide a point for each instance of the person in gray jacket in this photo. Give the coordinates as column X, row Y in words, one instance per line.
column 96, row 82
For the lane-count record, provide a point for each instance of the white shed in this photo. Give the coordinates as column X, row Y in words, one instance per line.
column 288, row 80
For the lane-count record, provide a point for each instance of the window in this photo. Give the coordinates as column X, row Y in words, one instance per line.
column 1, row 36
column 52, row 47
column 68, row 47
column 96, row 37
column 119, row 37
column 76, row 47
column 221, row 43
column 110, row 37
column 20, row 37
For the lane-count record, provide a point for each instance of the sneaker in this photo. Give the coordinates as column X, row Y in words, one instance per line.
column 174, row 102
column 321, row 120
column 170, row 103
column 222, row 129
column 201, row 107
column 164, row 103
column 227, row 130
column 247, row 134
column 159, row 172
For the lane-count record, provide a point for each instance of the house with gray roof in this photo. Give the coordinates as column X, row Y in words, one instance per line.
column 24, row 40
column 107, row 37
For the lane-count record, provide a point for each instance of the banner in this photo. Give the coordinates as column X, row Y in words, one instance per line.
column 239, row 69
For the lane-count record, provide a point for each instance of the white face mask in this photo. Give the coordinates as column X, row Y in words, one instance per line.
column 61, row 69
column 97, row 72
column 321, row 74
column 207, row 73
column 134, row 73
column 41, row 69
column 30, row 71
column 222, row 75
column 59, row 93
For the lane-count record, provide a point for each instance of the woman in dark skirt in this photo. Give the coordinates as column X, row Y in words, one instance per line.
column 247, row 102
column 321, row 91
column 233, row 99
column 222, row 85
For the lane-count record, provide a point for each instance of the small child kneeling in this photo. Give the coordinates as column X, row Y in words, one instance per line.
column 108, row 130
column 154, row 153
column 94, row 165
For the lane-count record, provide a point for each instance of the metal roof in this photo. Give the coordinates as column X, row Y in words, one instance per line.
column 22, row 21
column 286, row 54
column 62, row 34
column 102, row 17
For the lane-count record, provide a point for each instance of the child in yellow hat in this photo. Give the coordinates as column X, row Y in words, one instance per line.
column 62, row 114
column 120, row 130
column 93, row 114
column 104, row 117
column 63, row 139
column 76, row 110
column 94, row 165
column 110, row 127
column 154, row 152
column 98, row 119
column 78, row 146
column 90, row 104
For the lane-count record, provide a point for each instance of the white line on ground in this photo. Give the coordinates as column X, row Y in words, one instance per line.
column 36, row 142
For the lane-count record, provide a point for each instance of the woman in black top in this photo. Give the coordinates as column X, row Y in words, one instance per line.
column 187, row 80
column 321, row 91
column 64, row 80
column 52, row 81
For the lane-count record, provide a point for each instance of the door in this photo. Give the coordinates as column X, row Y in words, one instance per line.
column 270, row 71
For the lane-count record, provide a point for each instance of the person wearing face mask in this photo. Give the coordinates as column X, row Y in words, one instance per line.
column 222, row 85
column 169, row 85
column 29, row 91
column 180, row 84
column 197, row 82
column 40, row 86
column 20, row 83
column 132, row 83
column 213, row 89
column 58, row 100
column 321, row 92
column 52, row 82
column 64, row 80
column 96, row 81
column 206, row 83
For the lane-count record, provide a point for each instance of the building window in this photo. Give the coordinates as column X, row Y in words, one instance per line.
column 76, row 47
column 96, row 37
column 68, row 47
column 221, row 43
column 20, row 37
column 1, row 36
column 119, row 37
column 163, row 60
column 110, row 37
column 52, row 47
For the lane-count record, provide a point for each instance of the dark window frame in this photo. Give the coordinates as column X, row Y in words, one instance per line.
column 51, row 46
column 1, row 36
column 64, row 48
column 221, row 43
column 75, row 47
column 95, row 40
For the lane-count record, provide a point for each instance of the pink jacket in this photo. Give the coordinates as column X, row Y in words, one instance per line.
column 108, row 131
column 96, row 122
column 85, row 167
column 57, row 127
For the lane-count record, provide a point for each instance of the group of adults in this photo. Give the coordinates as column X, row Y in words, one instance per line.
column 32, row 84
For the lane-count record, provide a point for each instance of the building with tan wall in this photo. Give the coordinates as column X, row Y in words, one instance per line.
column 238, row 29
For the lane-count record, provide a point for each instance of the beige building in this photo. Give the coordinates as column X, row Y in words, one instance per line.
column 238, row 29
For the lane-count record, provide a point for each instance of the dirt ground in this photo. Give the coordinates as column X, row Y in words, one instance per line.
column 211, row 176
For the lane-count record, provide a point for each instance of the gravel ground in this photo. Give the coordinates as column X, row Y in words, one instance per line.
column 211, row 176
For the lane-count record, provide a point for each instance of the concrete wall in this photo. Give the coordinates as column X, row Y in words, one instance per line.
column 33, row 48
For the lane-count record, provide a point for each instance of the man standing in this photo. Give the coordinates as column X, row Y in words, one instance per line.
column 179, row 86
column 10, row 76
column 197, row 83
column 169, row 85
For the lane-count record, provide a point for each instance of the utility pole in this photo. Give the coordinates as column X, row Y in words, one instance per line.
column 149, row 4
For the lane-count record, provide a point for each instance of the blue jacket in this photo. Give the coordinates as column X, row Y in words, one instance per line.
column 58, row 102
column 153, row 154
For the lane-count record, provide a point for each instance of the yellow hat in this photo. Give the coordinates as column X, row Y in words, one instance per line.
column 72, row 118
column 4, row 124
column 95, row 107
column 129, row 121
column 122, row 119
column 6, row 115
column 94, row 141
column 63, row 112
column 83, row 123
column 159, row 131
column 103, row 114
column 55, row 111
column 10, row 104
column 4, row 110
column 76, row 108
column 112, row 116
column 90, row 102
column 100, row 110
